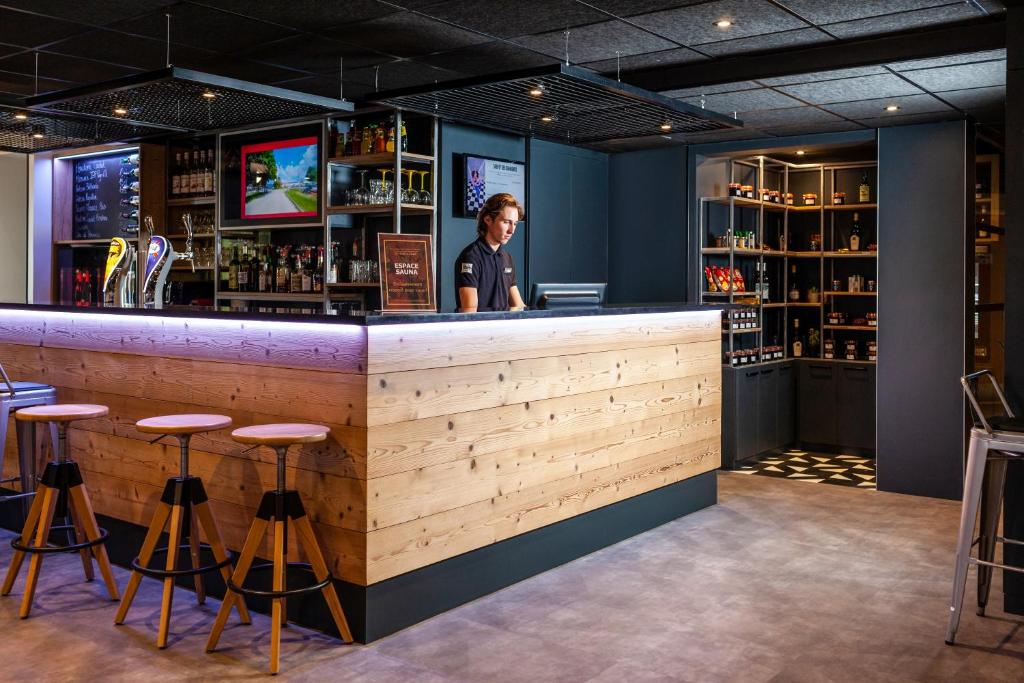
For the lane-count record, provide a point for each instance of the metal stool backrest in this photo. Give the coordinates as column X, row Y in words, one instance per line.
column 967, row 381
column 7, row 380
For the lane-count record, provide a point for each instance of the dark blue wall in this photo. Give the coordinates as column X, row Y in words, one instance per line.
column 647, row 235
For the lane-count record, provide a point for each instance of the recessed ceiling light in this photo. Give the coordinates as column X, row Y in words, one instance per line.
column 37, row 132
column 723, row 23
column 21, row 116
column 537, row 91
column 547, row 119
column 209, row 95
column 800, row 152
column 893, row 107
column 666, row 126
column 120, row 111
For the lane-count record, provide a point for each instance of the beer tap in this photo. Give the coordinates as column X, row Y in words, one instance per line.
column 189, row 253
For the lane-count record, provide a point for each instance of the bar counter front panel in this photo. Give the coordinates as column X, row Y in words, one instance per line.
column 448, row 435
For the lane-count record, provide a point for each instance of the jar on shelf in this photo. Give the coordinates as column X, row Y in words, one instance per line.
column 809, row 198
column 774, row 197
column 735, row 190
column 851, row 349
column 873, row 350
column 872, row 319
column 766, row 194
column 836, row 318
column 828, row 349
column 748, row 191
column 789, row 198
column 816, row 242
column 838, row 198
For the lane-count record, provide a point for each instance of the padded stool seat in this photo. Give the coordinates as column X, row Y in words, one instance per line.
column 62, row 412
column 183, row 424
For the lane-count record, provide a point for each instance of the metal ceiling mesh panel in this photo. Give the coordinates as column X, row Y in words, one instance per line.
column 181, row 100
column 575, row 106
column 39, row 132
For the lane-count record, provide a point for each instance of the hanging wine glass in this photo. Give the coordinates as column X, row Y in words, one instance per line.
column 362, row 196
column 425, row 197
column 409, row 195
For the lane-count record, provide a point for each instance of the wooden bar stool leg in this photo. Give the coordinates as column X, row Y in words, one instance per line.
column 193, row 544
column 156, row 527
column 316, row 559
column 173, row 541
column 26, row 536
column 252, row 543
column 83, row 506
column 278, row 585
column 80, row 538
column 42, row 534
column 220, row 554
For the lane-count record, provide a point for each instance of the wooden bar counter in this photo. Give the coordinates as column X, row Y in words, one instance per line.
column 466, row 452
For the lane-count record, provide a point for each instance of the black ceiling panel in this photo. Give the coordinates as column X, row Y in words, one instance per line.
column 886, row 121
column 495, row 57
column 890, row 23
column 910, row 104
column 71, row 70
column 746, row 100
column 140, row 53
column 816, row 76
column 406, row 35
column 828, row 12
column 628, row 8
column 325, row 86
column 712, row 89
column 22, row 85
column 811, row 129
column 94, row 12
column 523, row 17
column 959, row 77
column 850, row 89
column 977, row 98
column 28, row 30
column 766, row 41
column 405, row 74
column 310, row 15
column 318, row 55
column 724, row 135
column 950, row 60
column 9, row 49
column 678, row 55
column 696, row 24
column 787, row 117
column 596, row 42
column 246, row 70
column 203, row 27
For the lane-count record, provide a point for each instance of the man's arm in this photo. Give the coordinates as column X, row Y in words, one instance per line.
column 514, row 299
column 468, row 301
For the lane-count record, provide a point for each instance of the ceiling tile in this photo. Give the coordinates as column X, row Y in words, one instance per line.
column 875, row 108
column 950, row 60
column 695, row 24
column 595, row 42
column 140, row 53
column 959, row 77
column 520, row 18
column 24, row 86
column 325, row 87
column 812, row 128
column 628, row 8
column 9, row 50
column 745, row 100
column 679, row 55
column 850, row 89
column 402, row 74
column 712, row 89
column 305, row 16
column 320, row 55
column 767, row 41
column 816, row 76
column 28, row 30
column 819, row 12
column 786, row 117
column 904, row 21
column 887, row 121
column 406, row 35
column 489, row 58
column 723, row 135
column 976, row 98
column 60, row 67
column 203, row 27
column 94, row 12
column 246, row 70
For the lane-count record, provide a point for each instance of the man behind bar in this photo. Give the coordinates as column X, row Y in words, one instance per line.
column 485, row 276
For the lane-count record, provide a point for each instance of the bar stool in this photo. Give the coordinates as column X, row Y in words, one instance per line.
column 996, row 441
column 60, row 491
column 15, row 395
column 184, row 501
column 280, row 506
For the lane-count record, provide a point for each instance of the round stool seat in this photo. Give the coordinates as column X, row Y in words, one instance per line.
column 280, row 434
column 61, row 412
column 183, row 424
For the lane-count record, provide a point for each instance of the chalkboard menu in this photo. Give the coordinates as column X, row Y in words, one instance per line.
column 106, row 196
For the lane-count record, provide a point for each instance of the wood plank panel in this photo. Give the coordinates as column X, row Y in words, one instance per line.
column 420, row 443
column 427, row 491
column 336, row 347
column 405, row 547
column 302, row 395
column 417, row 394
column 393, row 348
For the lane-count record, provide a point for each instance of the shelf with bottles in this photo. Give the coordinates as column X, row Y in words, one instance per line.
column 841, row 293
column 870, row 253
column 261, row 266
column 852, row 328
column 271, row 296
column 92, row 243
column 192, row 171
column 193, row 201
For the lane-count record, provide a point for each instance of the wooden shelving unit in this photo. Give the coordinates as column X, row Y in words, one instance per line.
column 382, row 209
column 857, row 328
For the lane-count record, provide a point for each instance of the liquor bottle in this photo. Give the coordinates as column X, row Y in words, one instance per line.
column 130, row 159
column 389, row 145
column 284, row 273
column 380, row 140
column 355, row 139
column 233, row 271
column 196, row 179
column 183, row 176
column 176, row 176
column 132, row 187
column 865, row 189
column 983, row 222
column 855, row 234
column 405, row 138
column 366, row 144
column 255, row 268
column 207, row 174
column 128, row 172
column 130, row 201
column 798, row 344
column 295, row 285
column 212, row 161
column 242, row 269
column 132, row 215
column 318, row 274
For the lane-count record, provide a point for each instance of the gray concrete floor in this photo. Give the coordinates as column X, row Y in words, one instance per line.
column 781, row 581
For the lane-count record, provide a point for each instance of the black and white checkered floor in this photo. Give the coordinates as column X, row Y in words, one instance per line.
column 818, row 468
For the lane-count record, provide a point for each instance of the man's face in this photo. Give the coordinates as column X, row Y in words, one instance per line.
column 500, row 228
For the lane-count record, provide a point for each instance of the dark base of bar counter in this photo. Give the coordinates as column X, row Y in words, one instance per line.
column 389, row 606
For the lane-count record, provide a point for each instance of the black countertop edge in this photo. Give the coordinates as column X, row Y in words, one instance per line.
column 377, row 319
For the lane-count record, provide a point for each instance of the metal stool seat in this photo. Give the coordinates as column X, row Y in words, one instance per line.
column 993, row 443
column 280, row 506
column 61, row 492
column 184, row 502
column 13, row 396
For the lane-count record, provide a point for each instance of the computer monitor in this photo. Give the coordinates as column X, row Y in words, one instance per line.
column 555, row 295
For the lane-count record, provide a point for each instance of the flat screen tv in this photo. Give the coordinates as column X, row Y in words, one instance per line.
column 280, row 179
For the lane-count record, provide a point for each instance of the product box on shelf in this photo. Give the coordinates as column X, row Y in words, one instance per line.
column 851, row 349
column 829, row 349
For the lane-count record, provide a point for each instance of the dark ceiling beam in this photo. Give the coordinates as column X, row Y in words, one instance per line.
column 973, row 36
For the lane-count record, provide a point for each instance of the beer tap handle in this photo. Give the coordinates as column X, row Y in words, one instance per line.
column 186, row 220
column 148, row 222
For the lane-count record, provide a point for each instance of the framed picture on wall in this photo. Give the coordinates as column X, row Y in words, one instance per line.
column 483, row 177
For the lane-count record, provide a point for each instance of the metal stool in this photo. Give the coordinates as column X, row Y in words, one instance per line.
column 996, row 441
column 184, row 502
column 60, row 487
column 280, row 506
column 15, row 395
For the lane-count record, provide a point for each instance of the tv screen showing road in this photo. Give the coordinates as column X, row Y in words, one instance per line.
column 279, row 179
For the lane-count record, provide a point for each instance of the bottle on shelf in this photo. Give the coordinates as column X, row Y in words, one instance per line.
column 405, row 138
column 798, row 344
column 865, row 189
column 366, row 145
column 794, row 290
column 193, row 176
column 318, row 272
column 176, row 176
column 354, row 141
column 130, row 201
column 855, row 233
column 983, row 222
column 233, row 271
column 380, row 144
column 208, row 174
column 186, row 168
column 389, row 145
column 243, row 270
column 254, row 269
column 284, row 273
column 131, row 159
